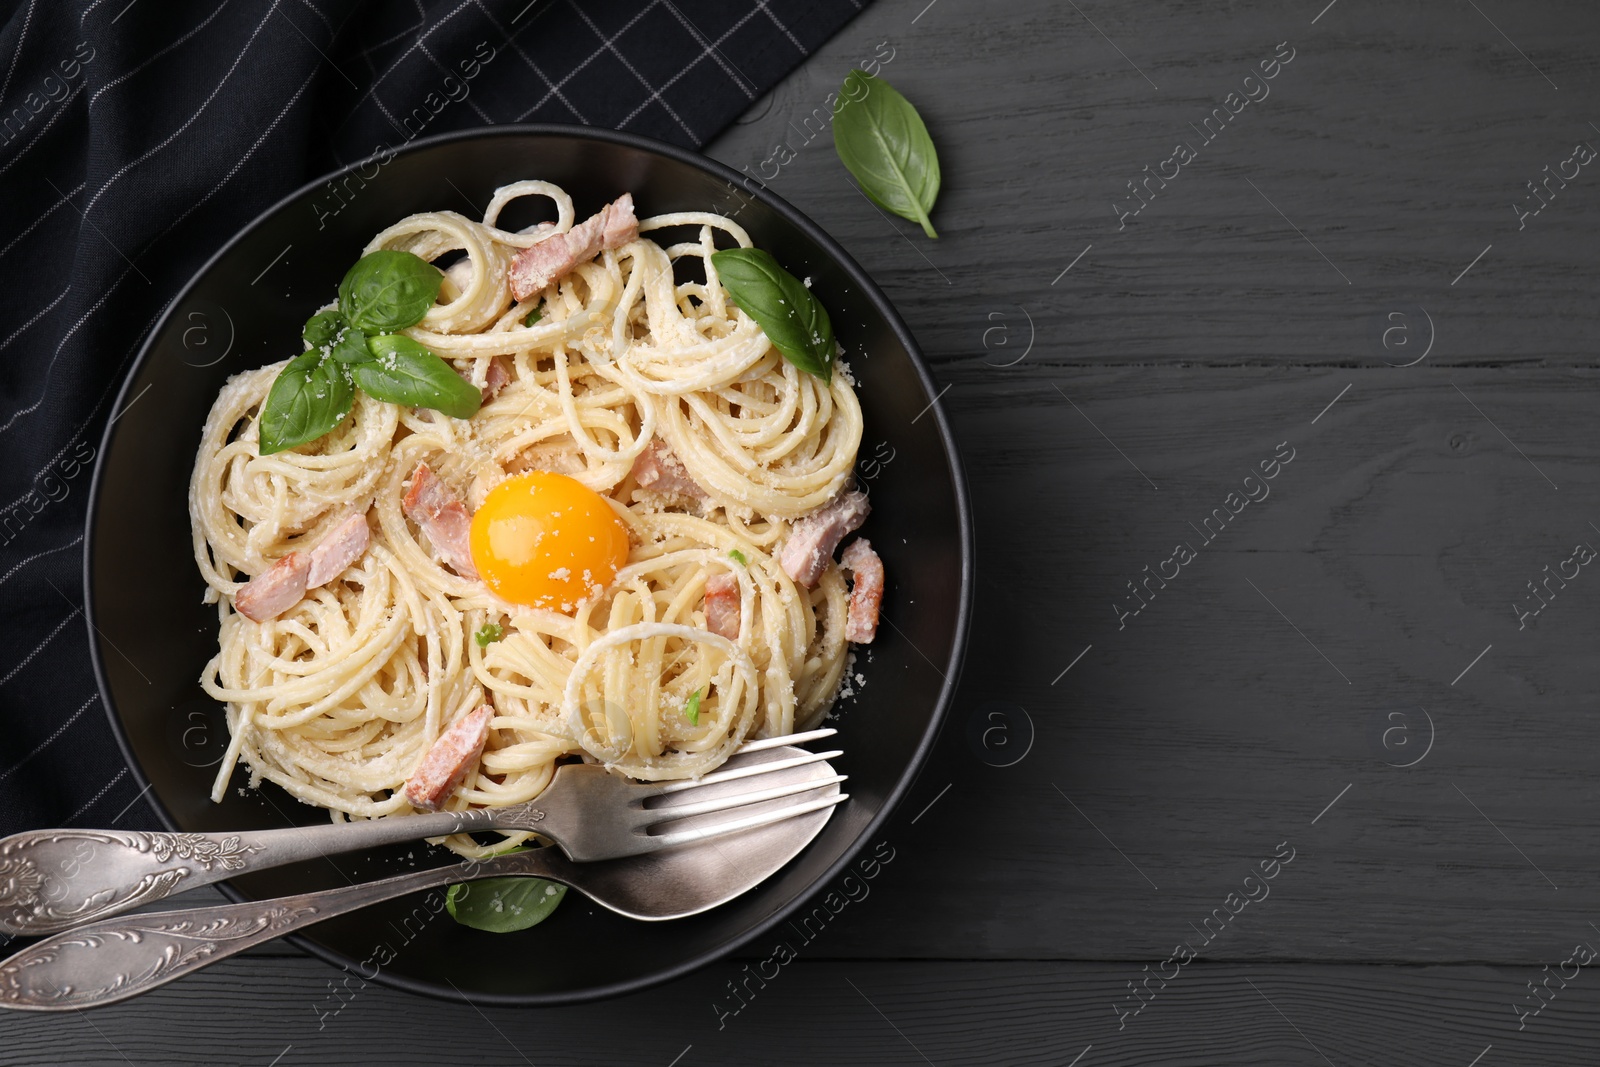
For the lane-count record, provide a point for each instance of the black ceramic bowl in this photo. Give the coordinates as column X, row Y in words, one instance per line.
column 151, row 636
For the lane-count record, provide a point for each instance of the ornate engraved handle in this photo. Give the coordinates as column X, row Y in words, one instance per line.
column 53, row 880
column 120, row 958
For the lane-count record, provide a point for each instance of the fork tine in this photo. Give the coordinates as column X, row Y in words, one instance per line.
column 748, row 822
column 787, row 739
column 754, row 796
column 746, row 772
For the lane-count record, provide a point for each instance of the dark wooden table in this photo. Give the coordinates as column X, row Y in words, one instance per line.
column 1185, row 677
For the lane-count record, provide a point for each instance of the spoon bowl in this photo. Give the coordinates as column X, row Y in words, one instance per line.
column 115, row 959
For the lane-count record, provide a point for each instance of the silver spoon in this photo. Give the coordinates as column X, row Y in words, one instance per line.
column 56, row 880
column 115, row 959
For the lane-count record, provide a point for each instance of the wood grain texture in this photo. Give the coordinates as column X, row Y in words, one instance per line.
column 1395, row 141
column 1213, row 726
column 1210, row 727
column 859, row 1013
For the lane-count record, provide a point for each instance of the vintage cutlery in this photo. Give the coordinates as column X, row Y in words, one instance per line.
column 54, row 880
column 115, row 959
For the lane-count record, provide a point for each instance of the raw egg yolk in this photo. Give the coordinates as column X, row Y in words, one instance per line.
column 547, row 541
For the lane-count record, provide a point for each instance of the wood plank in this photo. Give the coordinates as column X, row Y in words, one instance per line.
column 1211, row 727
column 278, row 1012
column 1395, row 142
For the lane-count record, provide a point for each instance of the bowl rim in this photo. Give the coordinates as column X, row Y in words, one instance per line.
column 919, row 757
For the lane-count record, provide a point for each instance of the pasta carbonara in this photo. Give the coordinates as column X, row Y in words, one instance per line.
column 363, row 627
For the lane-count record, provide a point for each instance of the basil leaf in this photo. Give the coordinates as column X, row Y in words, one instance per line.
column 401, row 371
column 691, row 710
column 881, row 140
column 327, row 333
column 350, row 346
column 488, row 634
column 388, row 290
column 309, row 397
column 503, row 905
column 322, row 329
column 794, row 321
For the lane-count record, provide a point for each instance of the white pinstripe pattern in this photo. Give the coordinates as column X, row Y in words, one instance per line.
column 62, row 625
column 452, row 74
column 309, row 6
column 729, row 32
column 120, row 78
column 591, row 58
column 42, row 130
column 51, row 210
column 762, row 4
column 173, row 136
column 96, row 798
column 511, row 39
column 46, row 743
column 49, row 551
column 366, row 53
column 734, row 74
column 94, row 4
column 31, row 408
column 610, row 44
column 41, row 313
column 112, row 382
column 235, row 168
column 372, row 89
column 110, row 288
column 23, row 36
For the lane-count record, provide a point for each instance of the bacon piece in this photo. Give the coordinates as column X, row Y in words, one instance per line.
column 537, row 266
column 722, row 605
column 866, row 590
column 498, row 377
column 811, row 543
column 658, row 470
column 343, row 545
column 275, row 590
column 443, row 517
column 448, row 761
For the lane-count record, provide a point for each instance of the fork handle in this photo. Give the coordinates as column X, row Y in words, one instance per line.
column 52, row 880
column 121, row 958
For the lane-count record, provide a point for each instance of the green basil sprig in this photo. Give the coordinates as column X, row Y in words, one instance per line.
column 881, row 139
column 355, row 346
column 503, row 905
column 794, row 321
column 401, row 371
column 388, row 290
column 309, row 397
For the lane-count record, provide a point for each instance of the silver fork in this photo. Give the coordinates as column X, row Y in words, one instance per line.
column 52, row 880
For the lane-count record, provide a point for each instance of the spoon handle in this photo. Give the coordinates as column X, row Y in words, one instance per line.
column 58, row 879
column 113, row 960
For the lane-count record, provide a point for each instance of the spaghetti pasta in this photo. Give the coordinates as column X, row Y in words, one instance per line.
column 338, row 698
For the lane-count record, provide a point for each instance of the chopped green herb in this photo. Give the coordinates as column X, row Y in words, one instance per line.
column 691, row 710
column 739, row 557
column 533, row 316
column 488, row 634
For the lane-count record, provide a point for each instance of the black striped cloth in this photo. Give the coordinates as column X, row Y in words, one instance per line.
column 137, row 135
